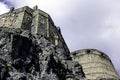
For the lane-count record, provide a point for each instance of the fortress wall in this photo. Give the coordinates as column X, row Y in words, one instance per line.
column 95, row 64
column 12, row 20
column 35, row 20
column 19, row 18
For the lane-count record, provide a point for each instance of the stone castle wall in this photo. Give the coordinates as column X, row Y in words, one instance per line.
column 35, row 20
column 95, row 64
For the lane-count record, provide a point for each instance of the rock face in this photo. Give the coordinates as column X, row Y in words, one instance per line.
column 34, row 49
column 96, row 64
column 24, row 56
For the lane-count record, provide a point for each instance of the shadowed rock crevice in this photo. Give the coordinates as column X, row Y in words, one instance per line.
column 25, row 56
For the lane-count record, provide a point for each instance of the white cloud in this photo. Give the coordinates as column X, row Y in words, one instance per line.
column 3, row 8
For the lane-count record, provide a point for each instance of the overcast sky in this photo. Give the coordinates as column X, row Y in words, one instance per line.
column 84, row 23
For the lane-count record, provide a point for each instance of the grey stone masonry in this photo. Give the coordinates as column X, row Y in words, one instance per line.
column 96, row 64
column 35, row 20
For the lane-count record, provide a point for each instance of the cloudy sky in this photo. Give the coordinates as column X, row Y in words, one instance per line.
column 84, row 23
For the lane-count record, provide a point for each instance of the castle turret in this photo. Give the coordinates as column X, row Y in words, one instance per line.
column 96, row 64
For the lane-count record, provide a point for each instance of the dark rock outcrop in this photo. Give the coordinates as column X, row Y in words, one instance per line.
column 24, row 56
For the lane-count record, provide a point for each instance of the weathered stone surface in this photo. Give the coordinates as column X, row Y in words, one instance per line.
column 96, row 65
column 24, row 56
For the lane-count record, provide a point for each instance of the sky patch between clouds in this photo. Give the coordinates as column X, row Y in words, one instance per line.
column 84, row 23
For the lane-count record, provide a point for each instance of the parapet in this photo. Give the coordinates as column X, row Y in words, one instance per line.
column 89, row 51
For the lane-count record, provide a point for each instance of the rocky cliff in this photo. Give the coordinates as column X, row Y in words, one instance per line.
column 24, row 56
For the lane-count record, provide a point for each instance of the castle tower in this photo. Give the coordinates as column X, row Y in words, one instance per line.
column 35, row 20
column 96, row 65
column 32, row 48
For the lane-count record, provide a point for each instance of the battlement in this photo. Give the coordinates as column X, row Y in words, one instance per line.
column 89, row 51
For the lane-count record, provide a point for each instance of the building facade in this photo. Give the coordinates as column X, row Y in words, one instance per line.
column 35, row 20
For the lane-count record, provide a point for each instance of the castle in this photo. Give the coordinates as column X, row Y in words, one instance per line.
column 32, row 48
column 96, row 64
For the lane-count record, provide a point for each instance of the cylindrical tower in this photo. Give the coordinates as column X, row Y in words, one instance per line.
column 96, row 65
